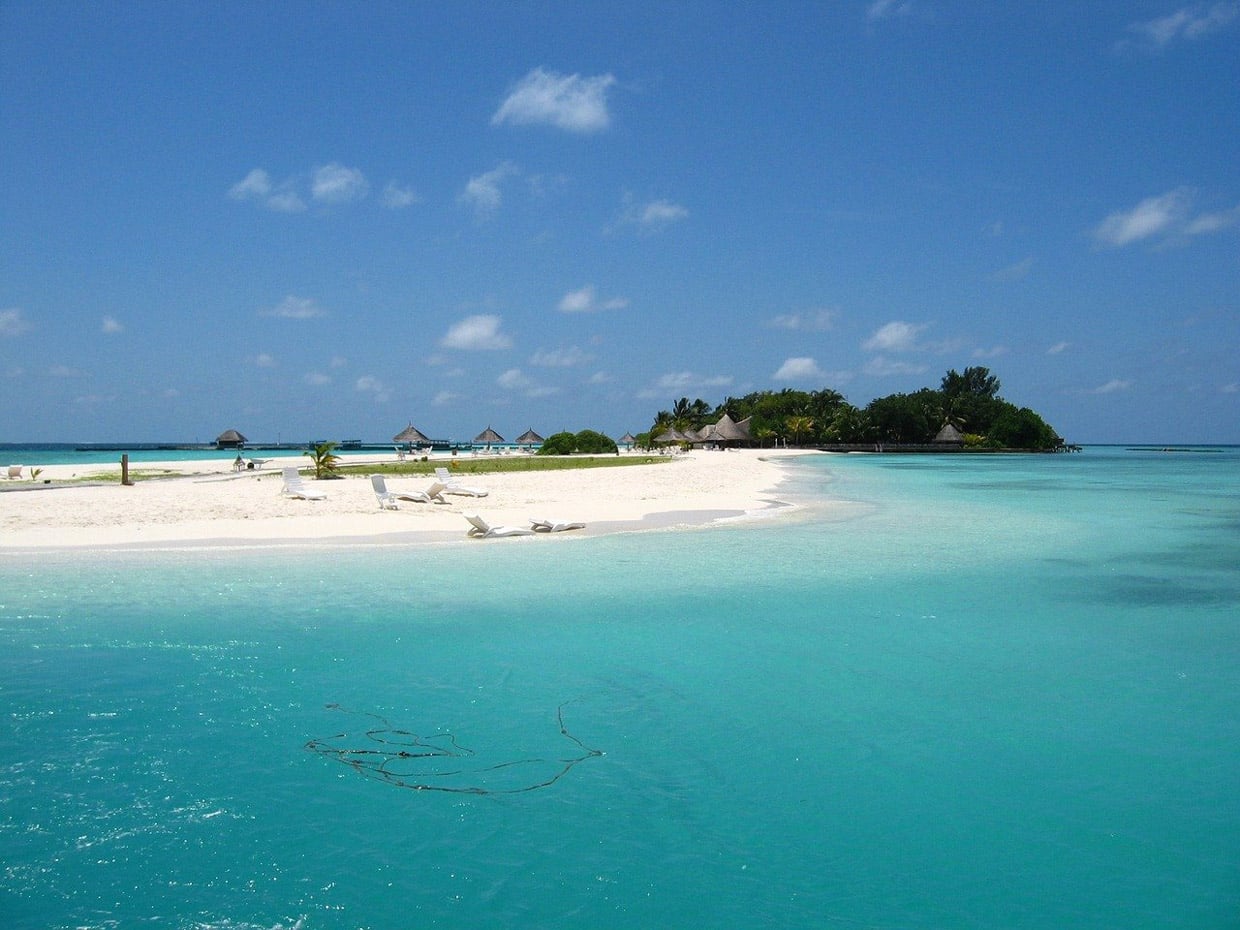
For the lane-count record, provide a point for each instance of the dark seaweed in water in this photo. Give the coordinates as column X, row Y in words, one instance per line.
column 438, row 762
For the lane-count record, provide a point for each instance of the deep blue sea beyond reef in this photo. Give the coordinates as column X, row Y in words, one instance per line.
column 995, row 692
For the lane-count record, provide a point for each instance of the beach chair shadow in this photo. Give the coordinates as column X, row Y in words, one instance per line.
column 553, row 526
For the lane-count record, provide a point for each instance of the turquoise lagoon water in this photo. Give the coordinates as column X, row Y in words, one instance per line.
column 983, row 692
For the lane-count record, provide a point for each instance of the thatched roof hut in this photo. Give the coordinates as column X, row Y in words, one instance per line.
column 411, row 435
column 949, row 435
column 230, row 439
column 529, row 438
column 488, row 436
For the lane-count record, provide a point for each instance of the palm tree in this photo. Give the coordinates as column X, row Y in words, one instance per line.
column 798, row 425
column 325, row 459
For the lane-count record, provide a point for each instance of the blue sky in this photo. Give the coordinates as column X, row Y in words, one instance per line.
column 308, row 220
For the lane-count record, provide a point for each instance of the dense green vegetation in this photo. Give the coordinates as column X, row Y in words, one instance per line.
column 587, row 441
column 968, row 401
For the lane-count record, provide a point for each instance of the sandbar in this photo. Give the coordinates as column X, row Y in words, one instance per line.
column 206, row 504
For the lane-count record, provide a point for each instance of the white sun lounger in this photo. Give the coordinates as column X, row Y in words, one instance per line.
column 15, row 471
column 388, row 499
column 451, row 487
column 294, row 488
column 480, row 528
column 553, row 526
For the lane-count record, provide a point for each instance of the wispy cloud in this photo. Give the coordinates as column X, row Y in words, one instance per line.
column 13, row 322
column 64, row 371
column 992, row 352
column 369, row 384
column 896, row 336
column 560, row 358
column 483, row 191
column 1057, row 348
column 1188, row 24
column 799, row 369
column 1014, row 272
column 1167, row 217
column 585, row 300
column 316, row 378
column 265, row 360
column 294, row 308
column 396, row 196
column 809, row 321
column 111, row 326
column 1115, row 384
column 476, row 332
column 334, row 183
column 888, row 9
column 882, row 367
column 565, row 101
column 651, row 216
column 257, row 186
column 682, row 382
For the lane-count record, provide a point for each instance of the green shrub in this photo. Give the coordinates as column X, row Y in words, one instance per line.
column 587, row 441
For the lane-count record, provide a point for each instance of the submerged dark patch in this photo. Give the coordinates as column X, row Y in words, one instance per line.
column 438, row 762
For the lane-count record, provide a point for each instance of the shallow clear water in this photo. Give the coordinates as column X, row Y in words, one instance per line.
column 992, row 692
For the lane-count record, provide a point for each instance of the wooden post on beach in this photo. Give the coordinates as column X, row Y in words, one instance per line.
column 125, row 470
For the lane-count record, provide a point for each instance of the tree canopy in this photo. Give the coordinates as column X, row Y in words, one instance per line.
column 967, row 400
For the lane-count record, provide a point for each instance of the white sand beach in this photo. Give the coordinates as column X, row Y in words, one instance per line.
column 208, row 504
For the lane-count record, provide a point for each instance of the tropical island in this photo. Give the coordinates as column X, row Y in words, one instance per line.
column 964, row 413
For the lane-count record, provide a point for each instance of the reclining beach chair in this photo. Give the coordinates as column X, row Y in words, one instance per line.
column 553, row 526
column 294, row 488
column 451, row 487
column 388, row 499
column 480, row 528
column 15, row 471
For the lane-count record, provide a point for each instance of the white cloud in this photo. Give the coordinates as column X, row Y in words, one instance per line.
column 585, row 300
column 295, row 308
column 1232, row 388
column 600, row 377
column 286, row 200
column 1014, row 272
column 1212, row 222
column 444, row 397
column 513, row 380
column 1150, row 217
column 13, row 322
column 335, row 183
column 64, row 371
column 881, row 367
column 886, row 9
column 680, row 382
column 992, row 352
column 254, row 186
column 483, row 193
column 896, row 336
column 566, row 101
column 339, row 361
column 316, row 378
column 1115, row 384
column 660, row 213
column 1057, row 348
column 396, row 197
column 369, row 384
column 111, row 325
column 811, row 321
column 476, row 332
column 799, row 369
column 265, row 360
column 560, row 358
column 1189, row 24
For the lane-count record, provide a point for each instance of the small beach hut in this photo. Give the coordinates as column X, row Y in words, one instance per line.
column 671, row 435
column 627, row 440
column 949, row 436
column 529, row 438
column 488, row 437
column 230, row 439
column 411, row 435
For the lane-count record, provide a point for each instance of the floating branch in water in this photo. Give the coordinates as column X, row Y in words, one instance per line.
column 438, row 762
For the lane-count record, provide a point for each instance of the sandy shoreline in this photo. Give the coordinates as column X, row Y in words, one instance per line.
column 208, row 505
